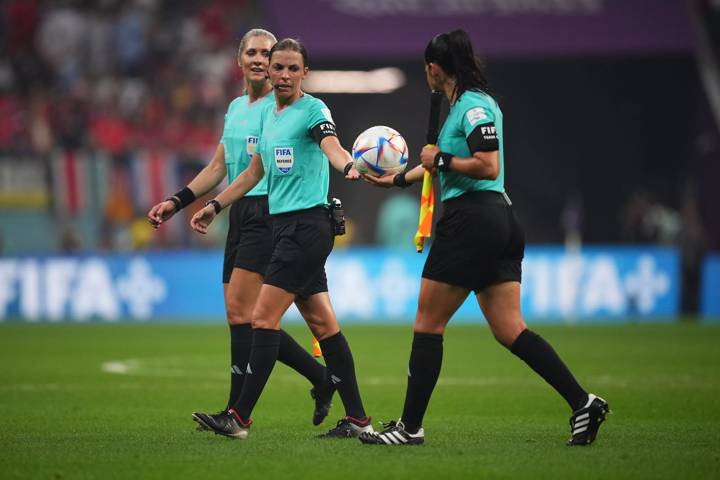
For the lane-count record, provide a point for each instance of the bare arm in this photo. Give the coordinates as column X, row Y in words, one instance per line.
column 413, row 175
column 338, row 156
column 234, row 192
column 482, row 165
column 245, row 182
column 208, row 178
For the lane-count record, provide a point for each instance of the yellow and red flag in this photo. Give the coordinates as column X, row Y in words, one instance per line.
column 317, row 352
column 427, row 205
column 427, row 198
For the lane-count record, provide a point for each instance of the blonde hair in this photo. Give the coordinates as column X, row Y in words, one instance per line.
column 255, row 32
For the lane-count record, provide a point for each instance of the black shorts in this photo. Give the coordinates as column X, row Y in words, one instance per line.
column 248, row 245
column 301, row 243
column 478, row 242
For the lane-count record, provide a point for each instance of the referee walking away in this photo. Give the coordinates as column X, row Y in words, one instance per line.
column 479, row 247
column 296, row 141
column 248, row 245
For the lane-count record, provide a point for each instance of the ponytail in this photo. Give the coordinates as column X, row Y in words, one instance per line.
column 453, row 52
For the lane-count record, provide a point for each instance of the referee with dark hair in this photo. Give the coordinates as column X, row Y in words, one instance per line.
column 479, row 247
column 248, row 246
column 296, row 142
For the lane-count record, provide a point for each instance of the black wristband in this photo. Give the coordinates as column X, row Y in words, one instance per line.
column 347, row 168
column 183, row 198
column 216, row 205
column 399, row 180
column 176, row 202
column 443, row 160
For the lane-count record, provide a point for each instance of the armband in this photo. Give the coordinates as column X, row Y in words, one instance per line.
column 322, row 130
column 399, row 180
column 175, row 201
column 182, row 198
column 483, row 139
column 216, row 205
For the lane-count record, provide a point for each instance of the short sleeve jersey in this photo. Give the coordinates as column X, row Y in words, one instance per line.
column 296, row 169
column 241, row 134
column 472, row 110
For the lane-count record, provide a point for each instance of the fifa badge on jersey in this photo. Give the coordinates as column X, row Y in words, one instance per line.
column 251, row 145
column 284, row 158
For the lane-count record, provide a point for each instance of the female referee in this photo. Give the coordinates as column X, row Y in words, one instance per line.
column 247, row 250
column 296, row 141
column 478, row 247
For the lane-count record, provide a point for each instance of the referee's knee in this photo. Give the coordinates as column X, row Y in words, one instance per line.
column 507, row 334
column 427, row 324
column 236, row 315
column 261, row 319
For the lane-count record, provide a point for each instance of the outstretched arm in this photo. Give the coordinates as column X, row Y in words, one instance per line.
column 339, row 158
column 403, row 179
column 235, row 191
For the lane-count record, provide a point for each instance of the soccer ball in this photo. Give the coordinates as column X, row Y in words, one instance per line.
column 380, row 151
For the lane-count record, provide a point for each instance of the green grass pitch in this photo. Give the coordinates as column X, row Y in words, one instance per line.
column 114, row 401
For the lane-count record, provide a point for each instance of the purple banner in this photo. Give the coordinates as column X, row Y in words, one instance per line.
column 394, row 28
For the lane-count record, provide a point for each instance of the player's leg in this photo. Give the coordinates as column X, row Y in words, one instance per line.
column 437, row 303
column 250, row 248
column 240, row 289
column 320, row 317
column 240, row 294
column 299, row 247
column 240, row 308
column 500, row 304
column 271, row 304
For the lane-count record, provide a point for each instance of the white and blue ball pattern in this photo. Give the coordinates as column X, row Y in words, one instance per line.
column 380, row 151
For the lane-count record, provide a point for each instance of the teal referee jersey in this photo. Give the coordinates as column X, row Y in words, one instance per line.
column 473, row 109
column 296, row 169
column 241, row 134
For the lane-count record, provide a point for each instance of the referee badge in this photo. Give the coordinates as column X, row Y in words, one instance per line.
column 284, row 159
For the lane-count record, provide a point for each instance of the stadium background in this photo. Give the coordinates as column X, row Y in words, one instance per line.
column 612, row 140
column 612, row 116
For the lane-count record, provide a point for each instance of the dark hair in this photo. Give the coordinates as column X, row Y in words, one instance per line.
column 453, row 52
column 293, row 45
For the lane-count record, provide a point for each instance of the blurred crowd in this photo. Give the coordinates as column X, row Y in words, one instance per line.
column 118, row 75
column 113, row 79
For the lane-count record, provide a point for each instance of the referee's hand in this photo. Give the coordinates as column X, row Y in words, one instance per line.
column 427, row 157
column 386, row 181
column 202, row 219
column 161, row 212
column 353, row 174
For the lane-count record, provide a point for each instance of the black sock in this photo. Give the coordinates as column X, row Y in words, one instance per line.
column 541, row 357
column 297, row 358
column 263, row 355
column 423, row 372
column 339, row 361
column 240, row 342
